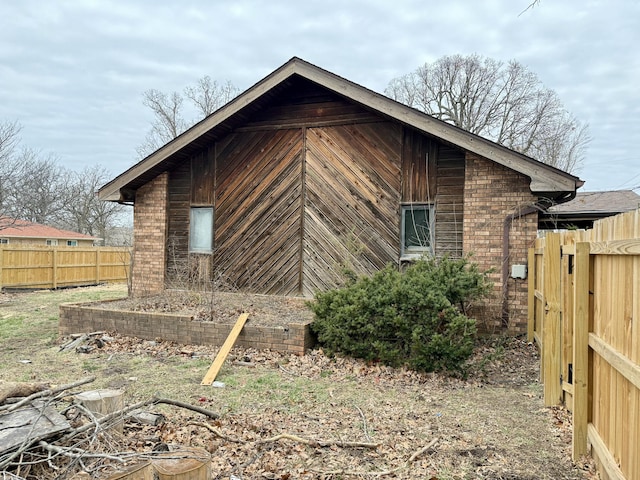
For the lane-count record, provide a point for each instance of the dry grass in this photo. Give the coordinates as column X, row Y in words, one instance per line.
column 492, row 425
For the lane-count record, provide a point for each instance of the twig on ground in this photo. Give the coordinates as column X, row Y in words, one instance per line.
column 105, row 420
column 288, row 436
column 188, row 406
column 216, row 432
column 286, row 371
column 364, row 423
column 382, row 473
column 77, row 452
column 319, row 443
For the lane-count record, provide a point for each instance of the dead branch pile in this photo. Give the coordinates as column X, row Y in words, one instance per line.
column 50, row 434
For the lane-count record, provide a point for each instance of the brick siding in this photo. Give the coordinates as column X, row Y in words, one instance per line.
column 77, row 318
column 491, row 193
column 150, row 233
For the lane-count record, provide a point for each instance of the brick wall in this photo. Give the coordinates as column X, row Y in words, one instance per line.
column 77, row 318
column 491, row 193
column 149, row 239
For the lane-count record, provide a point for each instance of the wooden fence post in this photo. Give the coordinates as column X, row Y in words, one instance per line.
column 97, row 265
column 54, row 268
column 531, row 305
column 551, row 334
column 581, row 312
column 1, row 260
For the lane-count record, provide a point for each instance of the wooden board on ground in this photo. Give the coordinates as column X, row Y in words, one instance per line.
column 224, row 351
column 29, row 424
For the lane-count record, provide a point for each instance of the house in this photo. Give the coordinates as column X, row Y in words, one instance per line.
column 588, row 207
column 306, row 174
column 15, row 231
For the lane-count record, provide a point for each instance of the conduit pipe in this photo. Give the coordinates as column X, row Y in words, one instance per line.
column 540, row 206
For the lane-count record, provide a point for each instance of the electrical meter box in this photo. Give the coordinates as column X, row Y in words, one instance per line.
column 518, row 271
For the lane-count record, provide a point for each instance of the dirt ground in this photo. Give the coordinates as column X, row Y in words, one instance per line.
column 489, row 426
column 222, row 307
column 318, row 417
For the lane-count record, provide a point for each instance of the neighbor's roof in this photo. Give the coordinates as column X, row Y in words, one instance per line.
column 544, row 178
column 14, row 228
column 612, row 201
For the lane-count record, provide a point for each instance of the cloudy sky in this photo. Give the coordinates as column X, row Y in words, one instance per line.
column 72, row 73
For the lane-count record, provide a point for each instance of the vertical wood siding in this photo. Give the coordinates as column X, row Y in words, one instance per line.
column 434, row 173
column 419, row 156
column 449, row 201
column 179, row 191
column 352, row 198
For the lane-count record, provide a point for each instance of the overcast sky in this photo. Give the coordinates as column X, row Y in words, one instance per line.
column 72, row 73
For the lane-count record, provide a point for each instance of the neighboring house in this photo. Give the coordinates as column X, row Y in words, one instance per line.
column 14, row 231
column 588, row 207
column 306, row 174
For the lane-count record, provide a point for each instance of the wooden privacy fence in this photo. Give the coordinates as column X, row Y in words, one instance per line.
column 28, row 266
column 584, row 313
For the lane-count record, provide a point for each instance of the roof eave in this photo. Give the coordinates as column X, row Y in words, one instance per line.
column 544, row 178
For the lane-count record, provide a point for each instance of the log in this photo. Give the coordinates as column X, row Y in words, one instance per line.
column 19, row 389
column 185, row 464
column 141, row 471
column 103, row 402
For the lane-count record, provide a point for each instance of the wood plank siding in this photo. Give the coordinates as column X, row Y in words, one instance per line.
column 258, row 203
column 353, row 195
column 449, row 201
column 307, row 186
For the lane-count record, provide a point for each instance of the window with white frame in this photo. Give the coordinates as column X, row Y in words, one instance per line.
column 52, row 243
column 72, row 243
column 201, row 230
column 4, row 241
column 417, row 226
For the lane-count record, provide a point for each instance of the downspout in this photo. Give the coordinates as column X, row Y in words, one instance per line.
column 540, row 206
column 506, row 229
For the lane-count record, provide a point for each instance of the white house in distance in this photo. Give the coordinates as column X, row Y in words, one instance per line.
column 15, row 231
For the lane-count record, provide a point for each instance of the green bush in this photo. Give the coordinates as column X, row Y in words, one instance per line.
column 409, row 318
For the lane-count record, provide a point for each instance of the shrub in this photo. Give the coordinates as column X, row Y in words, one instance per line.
column 409, row 318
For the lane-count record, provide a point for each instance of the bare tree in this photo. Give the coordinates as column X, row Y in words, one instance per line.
column 84, row 212
column 9, row 169
column 168, row 121
column 503, row 102
column 168, row 110
column 208, row 95
column 36, row 188
column 38, row 192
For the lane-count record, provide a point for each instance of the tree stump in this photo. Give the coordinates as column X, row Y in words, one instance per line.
column 142, row 471
column 185, row 464
column 102, row 402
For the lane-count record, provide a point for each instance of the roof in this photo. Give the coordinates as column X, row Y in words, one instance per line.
column 15, row 228
column 588, row 207
column 612, row 201
column 545, row 179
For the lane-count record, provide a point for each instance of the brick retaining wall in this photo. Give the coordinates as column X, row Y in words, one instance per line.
column 82, row 317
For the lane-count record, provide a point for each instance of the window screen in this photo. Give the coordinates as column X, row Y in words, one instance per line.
column 417, row 229
column 201, row 230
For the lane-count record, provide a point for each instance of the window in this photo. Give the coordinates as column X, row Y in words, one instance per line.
column 417, row 230
column 4, row 241
column 52, row 243
column 201, row 230
column 72, row 243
